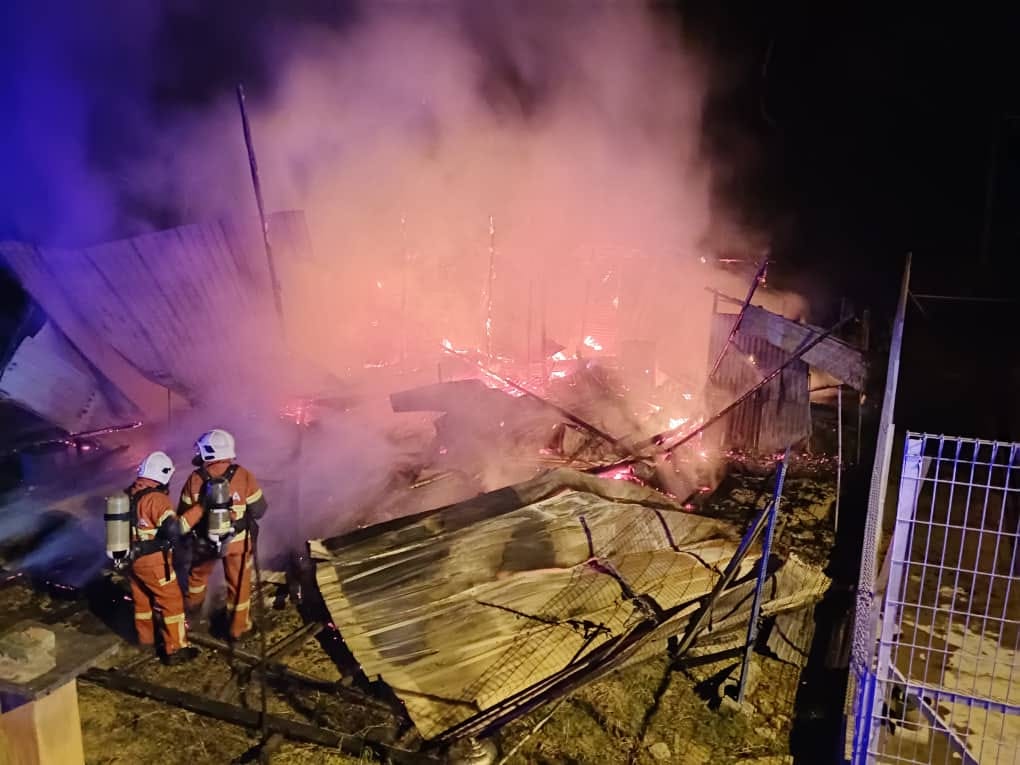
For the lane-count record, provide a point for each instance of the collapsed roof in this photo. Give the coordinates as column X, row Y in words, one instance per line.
column 477, row 612
column 147, row 313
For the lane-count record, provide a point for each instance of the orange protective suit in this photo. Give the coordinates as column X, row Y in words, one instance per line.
column 153, row 582
column 247, row 501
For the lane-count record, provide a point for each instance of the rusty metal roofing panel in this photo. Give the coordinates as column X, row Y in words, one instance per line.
column 780, row 413
column 143, row 309
column 840, row 360
column 466, row 610
column 47, row 376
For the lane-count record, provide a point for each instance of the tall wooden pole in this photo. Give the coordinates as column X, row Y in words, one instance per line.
column 273, row 280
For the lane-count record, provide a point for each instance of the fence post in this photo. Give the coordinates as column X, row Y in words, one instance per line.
column 899, row 547
column 863, row 653
column 766, row 547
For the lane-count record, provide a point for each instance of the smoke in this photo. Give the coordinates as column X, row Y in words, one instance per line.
column 558, row 144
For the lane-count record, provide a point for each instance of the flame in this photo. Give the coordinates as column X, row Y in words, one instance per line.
column 676, row 422
column 592, row 343
column 688, row 396
column 558, row 373
column 616, row 302
column 378, row 284
column 559, row 356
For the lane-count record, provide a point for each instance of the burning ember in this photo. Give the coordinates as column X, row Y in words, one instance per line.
column 592, row 343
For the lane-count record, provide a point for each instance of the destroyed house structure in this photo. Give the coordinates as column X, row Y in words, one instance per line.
column 114, row 329
column 779, row 413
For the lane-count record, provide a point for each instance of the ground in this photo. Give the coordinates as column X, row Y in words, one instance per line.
column 641, row 714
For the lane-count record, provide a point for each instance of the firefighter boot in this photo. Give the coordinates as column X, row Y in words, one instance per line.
column 181, row 655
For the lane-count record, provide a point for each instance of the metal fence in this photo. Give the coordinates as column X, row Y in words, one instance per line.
column 946, row 684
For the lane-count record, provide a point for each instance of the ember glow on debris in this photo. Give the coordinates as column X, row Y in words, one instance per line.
column 623, row 473
column 379, row 285
column 299, row 412
column 558, row 373
column 688, row 396
column 560, row 356
column 676, row 422
column 592, row 343
column 616, row 302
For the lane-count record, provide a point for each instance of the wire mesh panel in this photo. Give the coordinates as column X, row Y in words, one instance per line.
column 946, row 685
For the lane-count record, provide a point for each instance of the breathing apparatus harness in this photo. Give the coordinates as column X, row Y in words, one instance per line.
column 216, row 528
column 137, row 548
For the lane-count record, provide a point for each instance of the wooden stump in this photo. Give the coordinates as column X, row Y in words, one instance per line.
column 44, row 731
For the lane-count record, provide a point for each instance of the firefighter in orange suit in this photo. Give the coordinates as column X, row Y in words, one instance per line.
column 214, row 457
column 153, row 582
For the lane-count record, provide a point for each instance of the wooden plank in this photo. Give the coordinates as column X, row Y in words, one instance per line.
column 252, row 719
column 75, row 652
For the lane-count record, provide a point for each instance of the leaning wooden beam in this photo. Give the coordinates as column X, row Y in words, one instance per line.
column 251, row 718
column 740, row 316
column 281, row 672
column 662, row 441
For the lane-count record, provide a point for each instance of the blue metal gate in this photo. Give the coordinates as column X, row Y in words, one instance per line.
column 944, row 686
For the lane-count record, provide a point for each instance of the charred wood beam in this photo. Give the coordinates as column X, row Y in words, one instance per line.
column 740, row 317
column 292, row 642
column 251, row 718
column 281, row 672
column 70, row 437
column 587, row 426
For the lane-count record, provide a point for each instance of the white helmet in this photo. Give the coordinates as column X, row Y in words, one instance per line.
column 157, row 466
column 215, row 445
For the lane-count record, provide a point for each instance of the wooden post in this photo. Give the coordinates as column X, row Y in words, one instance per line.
column 273, row 280
column 43, row 731
column 865, row 342
column 531, row 300
column 839, row 452
column 543, row 350
column 488, row 290
column 403, row 292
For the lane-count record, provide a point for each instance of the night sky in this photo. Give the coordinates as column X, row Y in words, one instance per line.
column 853, row 135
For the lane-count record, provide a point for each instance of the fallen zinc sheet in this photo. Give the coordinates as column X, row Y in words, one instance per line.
column 477, row 613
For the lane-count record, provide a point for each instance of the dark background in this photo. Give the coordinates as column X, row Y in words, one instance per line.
column 852, row 134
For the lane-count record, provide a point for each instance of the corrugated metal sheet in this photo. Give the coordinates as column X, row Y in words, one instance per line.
column 47, row 376
column 780, row 413
column 831, row 355
column 142, row 310
column 467, row 610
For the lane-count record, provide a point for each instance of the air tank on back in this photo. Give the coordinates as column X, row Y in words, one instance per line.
column 118, row 527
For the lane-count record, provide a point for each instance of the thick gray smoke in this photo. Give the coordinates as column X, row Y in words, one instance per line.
column 563, row 137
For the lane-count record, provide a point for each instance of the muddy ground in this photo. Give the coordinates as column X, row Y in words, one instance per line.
column 647, row 713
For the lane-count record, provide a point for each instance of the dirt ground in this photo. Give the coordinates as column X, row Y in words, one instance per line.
column 646, row 713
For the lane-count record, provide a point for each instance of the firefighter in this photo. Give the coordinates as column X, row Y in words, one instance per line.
column 220, row 505
column 153, row 581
